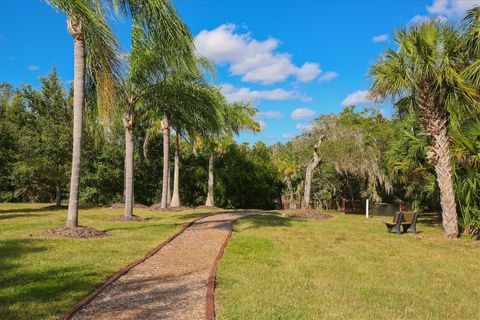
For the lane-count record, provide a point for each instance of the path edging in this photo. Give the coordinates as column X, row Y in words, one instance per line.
column 123, row 271
column 210, row 303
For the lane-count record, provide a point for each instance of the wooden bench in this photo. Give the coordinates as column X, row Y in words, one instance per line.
column 404, row 219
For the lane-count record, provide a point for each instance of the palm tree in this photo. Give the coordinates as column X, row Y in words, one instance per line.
column 175, row 202
column 95, row 59
column 425, row 69
column 161, row 42
column 175, row 98
column 289, row 169
column 206, row 119
column 237, row 116
column 182, row 88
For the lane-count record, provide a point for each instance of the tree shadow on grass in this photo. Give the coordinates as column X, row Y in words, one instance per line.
column 18, row 215
column 196, row 215
column 142, row 225
column 272, row 219
column 13, row 249
column 28, row 210
column 432, row 219
column 29, row 293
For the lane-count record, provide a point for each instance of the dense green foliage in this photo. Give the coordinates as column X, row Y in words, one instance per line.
column 36, row 150
column 36, row 141
column 353, row 158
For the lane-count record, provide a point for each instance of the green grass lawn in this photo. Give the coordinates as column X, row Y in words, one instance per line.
column 40, row 278
column 345, row 268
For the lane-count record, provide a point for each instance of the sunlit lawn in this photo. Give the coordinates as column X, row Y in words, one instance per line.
column 345, row 268
column 40, row 278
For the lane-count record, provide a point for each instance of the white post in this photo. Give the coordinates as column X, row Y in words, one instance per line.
column 366, row 210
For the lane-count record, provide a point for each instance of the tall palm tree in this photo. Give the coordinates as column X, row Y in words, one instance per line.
column 136, row 86
column 182, row 88
column 161, row 42
column 95, row 59
column 426, row 69
column 205, row 120
column 186, row 104
column 237, row 117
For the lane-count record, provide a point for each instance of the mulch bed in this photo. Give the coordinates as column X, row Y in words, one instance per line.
column 134, row 218
column 79, row 232
column 121, row 205
column 309, row 214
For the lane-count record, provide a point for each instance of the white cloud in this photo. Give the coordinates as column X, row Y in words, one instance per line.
column 253, row 60
column 451, row 8
column 442, row 10
column 359, row 97
column 233, row 93
column 32, row 67
column 287, row 135
column 419, row 19
column 302, row 113
column 270, row 115
column 305, row 98
column 380, row 38
column 308, row 72
column 327, row 76
column 304, row 127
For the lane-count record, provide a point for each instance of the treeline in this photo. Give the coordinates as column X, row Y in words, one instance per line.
column 35, row 151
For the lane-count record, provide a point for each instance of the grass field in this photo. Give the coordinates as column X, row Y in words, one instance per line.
column 40, row 278
column 345, row 268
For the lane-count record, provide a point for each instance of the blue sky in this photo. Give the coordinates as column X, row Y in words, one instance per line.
column 293, row 60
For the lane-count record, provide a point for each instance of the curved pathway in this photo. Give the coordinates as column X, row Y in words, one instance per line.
column 171, row 284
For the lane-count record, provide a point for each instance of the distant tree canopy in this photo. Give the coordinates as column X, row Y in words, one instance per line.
column 365, row 155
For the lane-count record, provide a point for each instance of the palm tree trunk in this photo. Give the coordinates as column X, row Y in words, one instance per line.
column 434, row 119
column 78, row 100
column 210, row 202
column 308, row 175
column 58, row 197
column 169, row 187
column 129, row 149
column 443, row 168
column 290, row 189
column 166, row 148
column 176, row 174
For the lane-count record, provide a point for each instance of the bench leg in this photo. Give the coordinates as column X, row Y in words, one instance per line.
column 397, row 228
column 414, row 228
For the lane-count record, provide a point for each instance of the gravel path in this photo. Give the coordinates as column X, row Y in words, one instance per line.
column 172, row 284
